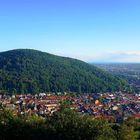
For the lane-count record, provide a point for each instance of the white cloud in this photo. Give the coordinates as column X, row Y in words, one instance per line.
column 112, row 56
column 129, row 56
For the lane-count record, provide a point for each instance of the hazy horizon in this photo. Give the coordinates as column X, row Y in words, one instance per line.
column 96, row 31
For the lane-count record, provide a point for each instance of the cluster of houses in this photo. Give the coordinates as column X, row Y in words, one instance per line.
column 116, row 105
column 41, row 104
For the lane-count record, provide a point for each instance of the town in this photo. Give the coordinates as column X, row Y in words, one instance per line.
column 117, row 106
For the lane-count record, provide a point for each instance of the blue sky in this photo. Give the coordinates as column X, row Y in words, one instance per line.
column 90, row 30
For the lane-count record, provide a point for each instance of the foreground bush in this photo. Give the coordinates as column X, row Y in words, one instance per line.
column 63, row 125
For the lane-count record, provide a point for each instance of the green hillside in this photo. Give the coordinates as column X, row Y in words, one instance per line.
column 31, row 71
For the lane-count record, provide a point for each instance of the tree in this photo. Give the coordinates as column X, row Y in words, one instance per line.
column 126, row 133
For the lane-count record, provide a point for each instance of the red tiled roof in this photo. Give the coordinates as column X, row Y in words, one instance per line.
column 136, row 115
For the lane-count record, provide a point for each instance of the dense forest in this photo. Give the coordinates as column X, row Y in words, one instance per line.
column 65, row 125
column 31, row 71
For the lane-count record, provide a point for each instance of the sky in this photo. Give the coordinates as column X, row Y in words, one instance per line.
column 89, row 30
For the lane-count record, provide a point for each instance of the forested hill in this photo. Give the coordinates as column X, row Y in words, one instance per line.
column 31, row 71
